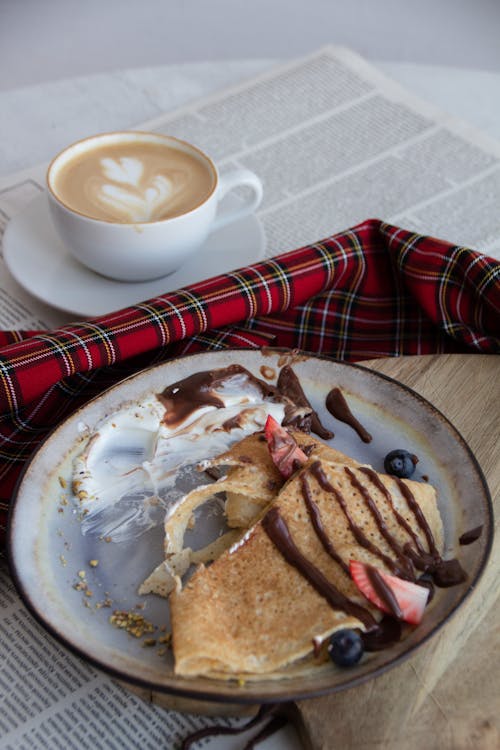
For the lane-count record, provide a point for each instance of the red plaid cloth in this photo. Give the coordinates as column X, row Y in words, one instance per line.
column 375, row 290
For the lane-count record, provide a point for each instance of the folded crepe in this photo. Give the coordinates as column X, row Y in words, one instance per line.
column 254, row 611
column 250, row 484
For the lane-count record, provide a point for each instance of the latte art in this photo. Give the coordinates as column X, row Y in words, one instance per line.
column 134, row 182
column 144, row 204
column 127, row 193
column 124, row 169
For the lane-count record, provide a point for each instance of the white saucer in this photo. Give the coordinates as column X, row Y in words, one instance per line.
column 40, row 263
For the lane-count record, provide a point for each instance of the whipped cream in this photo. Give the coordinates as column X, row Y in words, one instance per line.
column 135, row 463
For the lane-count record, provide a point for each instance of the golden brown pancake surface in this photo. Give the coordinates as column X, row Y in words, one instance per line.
column 252, row 613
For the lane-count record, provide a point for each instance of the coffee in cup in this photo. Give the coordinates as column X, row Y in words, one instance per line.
column 134, row 206
column 137, row 181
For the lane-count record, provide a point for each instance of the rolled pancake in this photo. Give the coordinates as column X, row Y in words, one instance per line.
column 251, row 613
column 251, row 483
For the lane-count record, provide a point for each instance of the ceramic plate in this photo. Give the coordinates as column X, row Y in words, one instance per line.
column 41, row 264
column 49, row 553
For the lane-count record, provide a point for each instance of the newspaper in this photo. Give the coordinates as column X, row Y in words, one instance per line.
column 335, row 142
column 51, row 699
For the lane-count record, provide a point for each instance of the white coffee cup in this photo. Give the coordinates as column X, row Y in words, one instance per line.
column 107, row 194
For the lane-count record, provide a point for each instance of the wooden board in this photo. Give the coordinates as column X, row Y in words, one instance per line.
column 447, row 696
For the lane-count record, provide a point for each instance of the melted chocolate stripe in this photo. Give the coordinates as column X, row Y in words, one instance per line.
column 417, row 512
column 315, row 516
column 272, row 726
column 384, row 592
column 421, row 560
column 373, row 476
column 339, row 408
column 470, row 536
column 277, row 530
column 406, row 565
column 289, row 385
column 358, row 534
column 217, row 730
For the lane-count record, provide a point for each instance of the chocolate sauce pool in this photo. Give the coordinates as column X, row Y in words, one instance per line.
column 387, row 633
column 183, row 398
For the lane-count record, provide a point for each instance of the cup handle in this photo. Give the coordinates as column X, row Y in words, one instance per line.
column 229, row 181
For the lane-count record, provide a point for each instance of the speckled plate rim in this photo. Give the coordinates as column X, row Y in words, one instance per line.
column 260, row 692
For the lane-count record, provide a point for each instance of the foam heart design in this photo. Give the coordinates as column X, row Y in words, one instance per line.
column 137, row 204
column 124, row 169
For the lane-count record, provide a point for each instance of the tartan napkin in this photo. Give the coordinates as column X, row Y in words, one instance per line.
column 374, row 290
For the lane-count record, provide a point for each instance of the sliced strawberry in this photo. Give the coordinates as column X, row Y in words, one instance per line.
column 286, row 454
column 408, row 597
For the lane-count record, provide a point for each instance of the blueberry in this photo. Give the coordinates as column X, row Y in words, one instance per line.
column 345, row 647
column 400, row 463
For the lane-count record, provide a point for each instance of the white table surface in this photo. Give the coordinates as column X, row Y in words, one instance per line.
column 42, row 40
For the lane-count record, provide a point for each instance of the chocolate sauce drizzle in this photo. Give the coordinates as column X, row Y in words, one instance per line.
column 375, row 479
column 405, row 567
column 274, row 723
column 357, row 532
column 384, row 592
column 339, row 408
column 419, row 516
column 289, row 385
column 183, row 398
column 439, row 571
column 315, row 517
column 277, row 530
column 470, row 536
column 448, row 573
